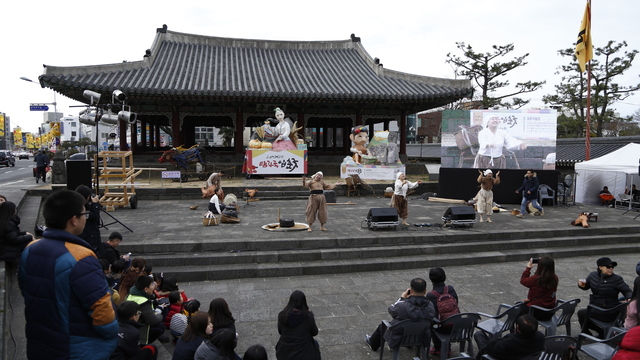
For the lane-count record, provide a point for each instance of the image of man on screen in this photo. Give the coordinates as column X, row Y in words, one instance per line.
column 492, row 140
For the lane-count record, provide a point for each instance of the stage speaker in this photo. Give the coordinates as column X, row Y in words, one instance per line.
column 382, row 214
column 460, row 213
column 78, row 173
column 331, row 197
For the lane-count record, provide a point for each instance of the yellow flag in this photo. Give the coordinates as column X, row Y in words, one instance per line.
column 584, row 48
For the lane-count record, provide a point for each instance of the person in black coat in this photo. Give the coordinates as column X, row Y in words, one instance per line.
column 438, row 277
column 297, row 327
column 12, row 240
column 109, row 252
column 91, row 232
column 527, row 340
column 129, row 335
column 529, row 191
column 605, row 287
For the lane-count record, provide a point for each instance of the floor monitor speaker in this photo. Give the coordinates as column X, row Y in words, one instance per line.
column 382, row 214
column 460, row 213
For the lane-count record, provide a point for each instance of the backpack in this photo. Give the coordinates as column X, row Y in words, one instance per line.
column 446, row 304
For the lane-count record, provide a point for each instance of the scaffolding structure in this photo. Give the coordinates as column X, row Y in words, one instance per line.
column 117, row 176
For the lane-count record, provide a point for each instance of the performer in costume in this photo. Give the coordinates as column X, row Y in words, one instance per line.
column 485, row 195
column 317, row 203
column 399, row 199
column 492, row 140
column 213, row 182
column 283, row 130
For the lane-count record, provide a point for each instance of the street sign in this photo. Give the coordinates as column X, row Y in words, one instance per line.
column 38, row 107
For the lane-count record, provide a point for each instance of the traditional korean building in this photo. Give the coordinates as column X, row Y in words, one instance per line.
column 188, row 80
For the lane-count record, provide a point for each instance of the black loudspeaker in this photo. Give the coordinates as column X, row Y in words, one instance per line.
column 78, row 173
column 460, row 213
column 382, row 214
column 331, row 197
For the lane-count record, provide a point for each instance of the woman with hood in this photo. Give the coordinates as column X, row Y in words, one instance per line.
column 297, row 327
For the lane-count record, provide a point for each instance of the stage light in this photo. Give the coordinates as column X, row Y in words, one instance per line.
column 110, row 119
column 127, row 116
column 92, row 95
column 119, row 95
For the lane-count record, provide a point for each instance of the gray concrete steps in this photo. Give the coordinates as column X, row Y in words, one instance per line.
column 268, row 263
column 413, row 261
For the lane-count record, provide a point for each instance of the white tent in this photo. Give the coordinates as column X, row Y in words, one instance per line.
column 617, row 170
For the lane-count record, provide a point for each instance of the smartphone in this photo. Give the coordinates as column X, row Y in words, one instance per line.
column 535, row 260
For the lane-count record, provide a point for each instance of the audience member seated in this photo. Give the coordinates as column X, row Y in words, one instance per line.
column 169, row 285
column 629, row 347
column 412, row 304
column 605, row 287
column 130, row 275
column 297, row 327
column 198, row 331
column 527, row 340
column 633, row 310
column 180, row 321
column 221, row 316
column 152, row 326
column 109, row 251
column 115, row 275
column 438, row 277
column 542, row 287
column 221, row 345
column 175, row 307
column 129, row 335
column 255, row 352
column 606, row 198
column 634, row 191
column 12, row 240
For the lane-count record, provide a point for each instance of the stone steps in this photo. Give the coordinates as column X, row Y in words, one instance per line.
column 231, row 264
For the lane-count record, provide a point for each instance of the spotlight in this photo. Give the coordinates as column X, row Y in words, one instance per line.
column 92, row 95
column 127, row 116
column 87, row 117
column 119, row 95
column 111, row 119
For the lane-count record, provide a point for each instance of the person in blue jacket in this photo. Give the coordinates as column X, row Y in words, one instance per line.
column 68, row 308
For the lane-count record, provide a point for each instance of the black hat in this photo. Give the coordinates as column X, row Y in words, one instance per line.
column 605, row 261
column 115, row 235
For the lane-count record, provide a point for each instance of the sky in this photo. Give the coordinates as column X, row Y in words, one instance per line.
column 410, row 36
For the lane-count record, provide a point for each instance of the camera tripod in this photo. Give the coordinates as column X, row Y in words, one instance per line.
column 103, row 225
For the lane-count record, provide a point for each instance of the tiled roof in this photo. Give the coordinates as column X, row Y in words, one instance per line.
column 186, row 66
column 571, row 151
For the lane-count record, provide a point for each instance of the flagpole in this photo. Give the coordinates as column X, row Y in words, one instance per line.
column 587, row 155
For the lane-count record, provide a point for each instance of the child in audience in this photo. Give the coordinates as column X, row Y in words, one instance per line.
column 175, row 307
column 115, row 276
column 199, row 328
column 221, row 345
column 633, row 309
column 179, row 322
column 255, row 352
column 129, row 335
column 129, row 278
column 169, row 285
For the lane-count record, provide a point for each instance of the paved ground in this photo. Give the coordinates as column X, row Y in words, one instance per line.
column 347, row 305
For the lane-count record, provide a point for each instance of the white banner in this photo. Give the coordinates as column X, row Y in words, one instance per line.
column 276, row 162
column 371, row 172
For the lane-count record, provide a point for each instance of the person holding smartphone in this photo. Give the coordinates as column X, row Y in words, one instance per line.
column 542, row 285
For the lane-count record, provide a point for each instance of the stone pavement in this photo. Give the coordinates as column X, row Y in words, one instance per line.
column 348, row 305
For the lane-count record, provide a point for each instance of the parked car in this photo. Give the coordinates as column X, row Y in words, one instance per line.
column 23, row 155
column 6, row 158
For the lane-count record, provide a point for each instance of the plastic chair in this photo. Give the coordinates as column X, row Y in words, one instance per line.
column 600, row 349
column 546, row 192
column 566, row 309
column 462, row 326
column 494, row 326
column 605, row 326
column 415, row 332
column 555, row 347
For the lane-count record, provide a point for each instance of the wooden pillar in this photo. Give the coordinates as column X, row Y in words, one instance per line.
column 157, row 137
column 403, row 134
column 122, row 129
column 359, row 119
column 176, row 135
column 152, row 137
column 302, row 123
column 143, row 135
column 134, row 137
column 385, row 125
column 238, row 138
